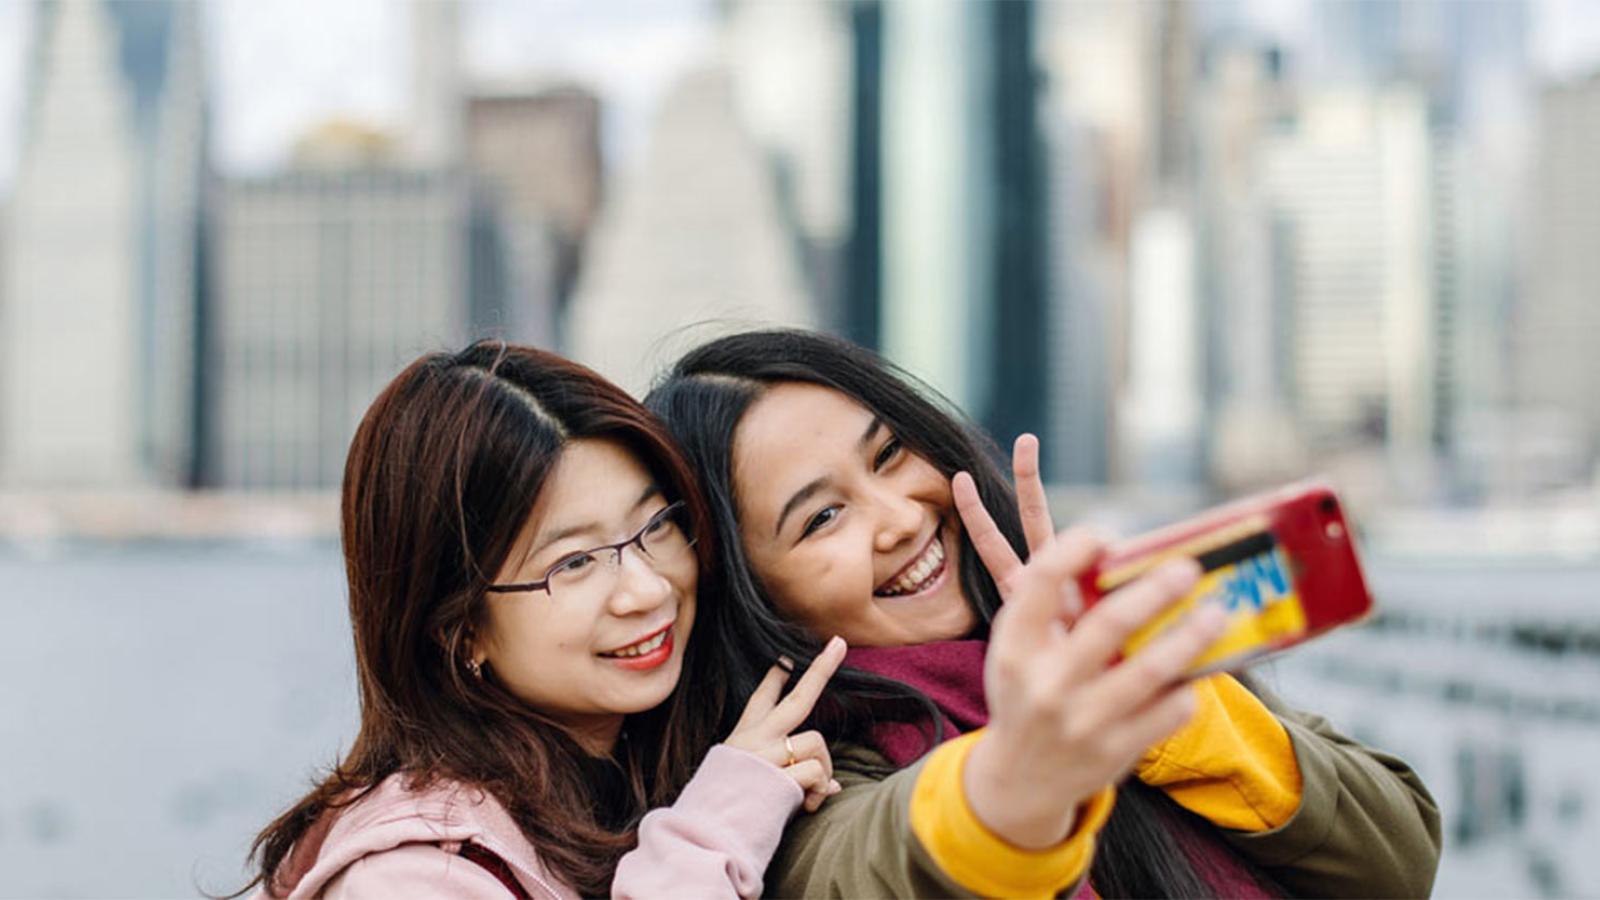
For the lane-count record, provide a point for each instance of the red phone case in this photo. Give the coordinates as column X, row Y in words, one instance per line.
column 1283, row 563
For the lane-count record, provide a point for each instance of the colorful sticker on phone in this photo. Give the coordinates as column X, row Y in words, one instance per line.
column 1253, row 581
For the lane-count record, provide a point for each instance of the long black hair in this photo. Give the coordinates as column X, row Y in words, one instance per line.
column 702, row 400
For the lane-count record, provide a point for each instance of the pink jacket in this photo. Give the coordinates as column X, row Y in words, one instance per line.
column 715, row 841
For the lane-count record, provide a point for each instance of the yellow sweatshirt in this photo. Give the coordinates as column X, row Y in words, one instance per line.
column 1232, row 764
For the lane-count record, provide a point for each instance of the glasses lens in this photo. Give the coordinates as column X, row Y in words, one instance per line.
column 667, row 535
column 571, row 574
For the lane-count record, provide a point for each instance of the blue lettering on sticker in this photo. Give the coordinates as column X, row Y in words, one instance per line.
column 1243, row 586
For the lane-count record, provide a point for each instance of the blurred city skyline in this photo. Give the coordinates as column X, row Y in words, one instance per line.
column 274, row 79
column 1200, row 247
column 628, row 51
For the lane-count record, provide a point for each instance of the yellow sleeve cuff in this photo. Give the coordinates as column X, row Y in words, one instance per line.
column 977, row 858
column 1233, row 764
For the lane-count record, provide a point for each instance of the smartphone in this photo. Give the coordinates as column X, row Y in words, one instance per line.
column 1282, row 563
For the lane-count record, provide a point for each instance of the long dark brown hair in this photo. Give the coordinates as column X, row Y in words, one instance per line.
column 442, row 473
column 702, row 399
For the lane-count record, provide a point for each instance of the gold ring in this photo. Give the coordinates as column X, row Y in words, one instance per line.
column 788, row 744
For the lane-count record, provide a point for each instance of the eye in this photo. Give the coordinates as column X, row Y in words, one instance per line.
column 572, row 565
column 658, row 523
column 886, row 453
column 823, row 517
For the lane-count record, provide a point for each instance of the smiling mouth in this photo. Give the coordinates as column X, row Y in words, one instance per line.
column 642, row 647
column 919, row 574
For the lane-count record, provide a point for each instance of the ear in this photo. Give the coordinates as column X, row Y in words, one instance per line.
column 473, row 650
column 469, row 649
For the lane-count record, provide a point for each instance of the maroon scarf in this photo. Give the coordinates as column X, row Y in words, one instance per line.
column 950, row 673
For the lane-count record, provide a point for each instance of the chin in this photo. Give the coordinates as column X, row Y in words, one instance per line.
column 654, row 691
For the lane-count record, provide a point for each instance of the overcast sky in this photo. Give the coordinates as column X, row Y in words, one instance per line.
column 279, row 66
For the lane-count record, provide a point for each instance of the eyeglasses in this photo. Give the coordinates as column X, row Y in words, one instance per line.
column 663, row 540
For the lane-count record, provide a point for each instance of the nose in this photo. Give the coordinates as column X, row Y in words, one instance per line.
column 900, row 519
column 639, row 588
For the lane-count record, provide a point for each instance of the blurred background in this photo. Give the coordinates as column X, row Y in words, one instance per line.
column 1198, row 247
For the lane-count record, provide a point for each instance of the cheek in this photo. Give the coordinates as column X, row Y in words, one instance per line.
column 523, row 633
column 930, row 483
column 827, row 585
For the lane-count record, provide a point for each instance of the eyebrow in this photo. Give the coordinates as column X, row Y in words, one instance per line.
column 866, row 436
column 817, row 484
column 800, row 496
column 651, row 491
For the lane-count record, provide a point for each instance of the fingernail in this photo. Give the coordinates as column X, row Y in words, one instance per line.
column 1185, row 569
column 834, row 787
column 836, row 641
column 786, row 663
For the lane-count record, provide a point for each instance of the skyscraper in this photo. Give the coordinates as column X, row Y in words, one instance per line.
column 1252, row 440
column 433, row 139
column 1350, row 186
column 697, row 234
column 104, row 251
column 327, row 283
column 1557, row 368
column 791, row 70
column 538, row 153
column 963, row 206
column 1076, row 381
column 1097, row 130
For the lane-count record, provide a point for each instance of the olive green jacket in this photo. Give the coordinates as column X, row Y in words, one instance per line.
column 1366, row 827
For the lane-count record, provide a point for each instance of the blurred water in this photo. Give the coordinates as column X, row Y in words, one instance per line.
column 161, row 703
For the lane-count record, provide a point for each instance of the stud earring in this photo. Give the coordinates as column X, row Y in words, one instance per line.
column 475, row 667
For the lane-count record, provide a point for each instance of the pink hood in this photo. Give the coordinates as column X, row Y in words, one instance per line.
column 446, row 814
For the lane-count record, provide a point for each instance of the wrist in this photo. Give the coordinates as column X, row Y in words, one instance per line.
column 1011, row 805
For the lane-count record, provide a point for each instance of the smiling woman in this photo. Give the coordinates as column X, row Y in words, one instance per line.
column 886, row 578
column 524, row 546
column 985, row 747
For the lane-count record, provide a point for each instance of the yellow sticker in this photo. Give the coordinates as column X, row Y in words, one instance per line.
column 1261, row 601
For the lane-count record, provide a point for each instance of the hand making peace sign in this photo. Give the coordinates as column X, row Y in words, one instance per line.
column 997, row 554
column 766, row 726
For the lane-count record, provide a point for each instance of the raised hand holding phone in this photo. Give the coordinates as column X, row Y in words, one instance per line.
column 1282, row 563
column 1063, row 722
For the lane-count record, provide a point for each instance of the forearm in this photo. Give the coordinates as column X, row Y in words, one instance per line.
column 912, row 834
column 945, row 818
column 717, row 840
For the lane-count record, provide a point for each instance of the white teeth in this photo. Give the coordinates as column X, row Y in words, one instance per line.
column 640, row 648
column 913, row 580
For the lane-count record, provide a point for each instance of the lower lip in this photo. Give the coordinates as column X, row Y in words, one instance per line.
column 645, row 662
column 934, row 585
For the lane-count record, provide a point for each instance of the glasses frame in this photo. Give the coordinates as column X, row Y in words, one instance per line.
column 637, row 540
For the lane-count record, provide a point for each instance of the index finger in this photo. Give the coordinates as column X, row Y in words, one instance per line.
column 793, row 709
column 764, row 697
column 994, row 551
column 1033, row 506
column 1036, row 596
column 1101, row 632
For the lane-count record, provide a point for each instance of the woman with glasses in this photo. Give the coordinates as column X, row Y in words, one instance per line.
column 523, row 547
column 979, row 722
